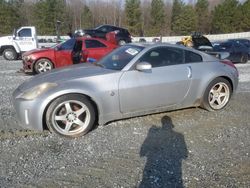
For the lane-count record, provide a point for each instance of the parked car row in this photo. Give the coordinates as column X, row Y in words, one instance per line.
column 238, row 49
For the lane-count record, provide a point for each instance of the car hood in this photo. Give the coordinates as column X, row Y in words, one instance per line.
column 38, row 50
column 61, row 75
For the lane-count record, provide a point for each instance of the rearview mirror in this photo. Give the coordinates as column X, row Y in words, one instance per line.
column 143, row 66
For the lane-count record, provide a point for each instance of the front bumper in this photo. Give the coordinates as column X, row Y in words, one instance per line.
column 27, row 66
column 28, row 112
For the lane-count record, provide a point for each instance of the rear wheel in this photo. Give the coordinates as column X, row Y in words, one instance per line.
column 217, row 94
column 70, row 115
column 10, row 54
column 43, row 65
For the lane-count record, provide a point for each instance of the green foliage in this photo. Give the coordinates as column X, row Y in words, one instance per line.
column 229, row 16
column 8, row 17
column 203, row 16
column 245, row 11
column 186, row 21
column 133, row 16
column 157, row 17
column 47, row 13
column 176, row 11
column 87, row 17
column 225, row 17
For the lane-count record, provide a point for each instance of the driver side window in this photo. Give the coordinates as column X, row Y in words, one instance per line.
column 163, row 56
column 25, row 33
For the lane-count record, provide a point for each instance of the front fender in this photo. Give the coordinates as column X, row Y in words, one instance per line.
column 105, row 97
column 17, row 48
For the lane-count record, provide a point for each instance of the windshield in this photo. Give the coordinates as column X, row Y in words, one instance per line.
column 65, row 45
column 120, row 57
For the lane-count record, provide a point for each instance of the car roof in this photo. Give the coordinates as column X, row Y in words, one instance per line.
column 111, row 26
column 155, row 44
column 238, row 39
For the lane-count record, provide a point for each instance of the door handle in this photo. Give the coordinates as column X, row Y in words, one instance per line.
column 189, row 71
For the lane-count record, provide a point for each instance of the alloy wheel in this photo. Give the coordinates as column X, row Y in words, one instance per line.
column 44, row 66
column 71, row 117
column 219, row 95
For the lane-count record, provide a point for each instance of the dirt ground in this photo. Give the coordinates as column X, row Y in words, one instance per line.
column 184, row 148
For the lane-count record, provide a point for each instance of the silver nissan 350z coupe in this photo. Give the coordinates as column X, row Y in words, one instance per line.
column 133, row 80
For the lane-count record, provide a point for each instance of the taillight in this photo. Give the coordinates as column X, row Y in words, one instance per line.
column 228, row 62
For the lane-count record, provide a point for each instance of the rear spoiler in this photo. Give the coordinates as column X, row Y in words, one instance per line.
column 209, row 50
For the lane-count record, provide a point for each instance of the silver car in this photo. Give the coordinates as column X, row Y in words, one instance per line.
column 133, row 80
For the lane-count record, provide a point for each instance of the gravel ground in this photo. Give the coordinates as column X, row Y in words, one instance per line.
column 190, row 148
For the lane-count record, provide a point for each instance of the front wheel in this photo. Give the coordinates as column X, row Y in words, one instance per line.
column 9, row 54
column 43, row 65
column 217, row 94
column 70, row 115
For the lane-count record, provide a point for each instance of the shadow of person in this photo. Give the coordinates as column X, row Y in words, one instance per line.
column 164, row 149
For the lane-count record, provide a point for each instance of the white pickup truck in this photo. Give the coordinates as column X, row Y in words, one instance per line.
column 22, row 40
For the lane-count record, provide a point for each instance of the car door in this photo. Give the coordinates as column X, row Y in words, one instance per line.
column 95, row 49
column 165, row 85
column 63, row 53
column 77, row 52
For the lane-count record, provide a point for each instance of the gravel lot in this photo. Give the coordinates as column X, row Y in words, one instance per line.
column 190, row 148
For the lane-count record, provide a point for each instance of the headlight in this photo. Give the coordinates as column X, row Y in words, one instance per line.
column 27, row 58
column 37, row 90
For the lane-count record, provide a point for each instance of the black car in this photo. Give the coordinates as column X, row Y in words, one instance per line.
column 122, row 35
column 238, row 52
column 245, row 42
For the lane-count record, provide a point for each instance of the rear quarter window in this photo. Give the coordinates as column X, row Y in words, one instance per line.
column 191, row 57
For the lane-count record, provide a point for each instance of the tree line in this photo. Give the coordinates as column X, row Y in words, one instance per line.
column 141, row 17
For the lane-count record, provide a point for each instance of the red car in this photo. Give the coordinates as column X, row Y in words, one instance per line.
column 70, row 52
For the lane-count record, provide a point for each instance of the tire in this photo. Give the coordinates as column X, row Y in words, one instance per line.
column 43, row 65
column 217, row 94
column 10, row 54
column 70, row 115
column 121, row 42
column 244, row 58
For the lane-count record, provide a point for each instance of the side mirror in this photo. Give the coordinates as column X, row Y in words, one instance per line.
column 14, row 34
column 143, row 66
